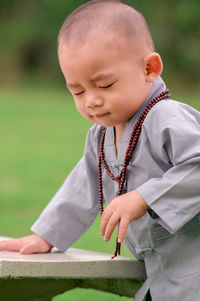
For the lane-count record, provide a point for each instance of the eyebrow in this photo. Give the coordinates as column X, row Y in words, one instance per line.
column 95, row 78
column 101, row 76
column 71, row 86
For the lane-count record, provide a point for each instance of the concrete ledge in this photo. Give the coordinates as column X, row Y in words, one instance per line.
column 42, row 276
column 74, row 263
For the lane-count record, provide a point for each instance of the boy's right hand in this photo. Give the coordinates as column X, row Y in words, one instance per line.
column 26, row 245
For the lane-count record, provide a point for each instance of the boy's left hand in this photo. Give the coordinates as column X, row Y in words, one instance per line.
column 122, row 210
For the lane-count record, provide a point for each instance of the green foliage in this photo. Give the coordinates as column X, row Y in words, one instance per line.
column 175, row 28
column 29, row 29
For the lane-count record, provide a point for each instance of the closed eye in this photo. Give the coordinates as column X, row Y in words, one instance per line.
column 108, row 86
column 79, row 93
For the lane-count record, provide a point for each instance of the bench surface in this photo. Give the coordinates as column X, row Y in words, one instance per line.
column 73, row 268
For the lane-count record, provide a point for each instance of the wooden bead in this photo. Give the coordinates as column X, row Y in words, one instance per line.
column 121, row 178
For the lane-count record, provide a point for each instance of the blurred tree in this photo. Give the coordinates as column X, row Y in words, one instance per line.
column 29, row 28
column 175, row 27
column 28, row 37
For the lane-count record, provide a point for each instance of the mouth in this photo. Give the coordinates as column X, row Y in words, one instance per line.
column 98, row 116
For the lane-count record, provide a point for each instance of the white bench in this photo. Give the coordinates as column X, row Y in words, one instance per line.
column 40, row 277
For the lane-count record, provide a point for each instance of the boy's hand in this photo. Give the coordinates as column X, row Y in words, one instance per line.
column 122, row 210
column 26, row 245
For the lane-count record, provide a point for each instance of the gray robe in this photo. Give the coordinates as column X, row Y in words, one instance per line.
column 165, row 170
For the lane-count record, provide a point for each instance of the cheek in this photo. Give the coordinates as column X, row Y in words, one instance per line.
column 80, row 107
column 77, row 105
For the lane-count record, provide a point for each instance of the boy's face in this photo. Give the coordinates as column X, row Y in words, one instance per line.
column 107, row 81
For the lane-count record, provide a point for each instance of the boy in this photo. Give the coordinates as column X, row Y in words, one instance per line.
column 141, row 157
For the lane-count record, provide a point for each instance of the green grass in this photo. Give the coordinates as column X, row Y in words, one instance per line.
column 42, row 138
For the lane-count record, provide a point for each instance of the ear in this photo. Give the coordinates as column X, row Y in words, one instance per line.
column 153, row 66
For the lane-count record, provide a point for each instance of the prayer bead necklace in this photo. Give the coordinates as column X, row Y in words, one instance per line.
column 121, row 177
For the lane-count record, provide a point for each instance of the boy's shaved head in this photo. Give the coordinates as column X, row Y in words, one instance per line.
column 107, row 57
column 107, row 16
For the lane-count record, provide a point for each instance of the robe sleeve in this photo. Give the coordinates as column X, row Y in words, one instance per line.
column 174, row 197
column 75, row 206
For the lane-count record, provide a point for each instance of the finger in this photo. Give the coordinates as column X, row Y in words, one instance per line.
column 10, row 245
column 105, row 218
column 123, row 226
column 36, row 247
column 112, row 223
column 29, row 249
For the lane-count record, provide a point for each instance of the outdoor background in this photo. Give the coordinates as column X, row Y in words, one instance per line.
column 41, row 134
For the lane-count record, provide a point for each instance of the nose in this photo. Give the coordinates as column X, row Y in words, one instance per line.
column 93, row 100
